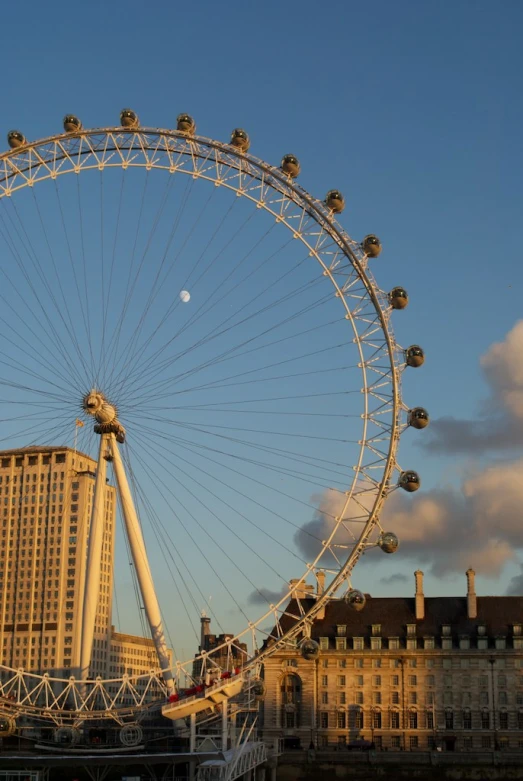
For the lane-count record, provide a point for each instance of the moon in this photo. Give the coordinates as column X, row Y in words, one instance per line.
column 185, row 296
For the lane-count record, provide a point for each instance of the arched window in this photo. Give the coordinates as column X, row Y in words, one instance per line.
column 290, row 688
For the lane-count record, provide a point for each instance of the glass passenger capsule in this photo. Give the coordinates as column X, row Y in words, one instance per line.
column 15, row 139
column 185, row 124
column 409, row 481
column 418, row 418
column 291, row 166
column 7, row 725
column 67, row 736
column 398, row 298
column 355, row 599
column 259, row 689
column 371, row 246
column 129, row 118
column 309, row 648
column 414, row 356
column 335, row 201
column 240, row 139
column 72, row 124
column 388, row 542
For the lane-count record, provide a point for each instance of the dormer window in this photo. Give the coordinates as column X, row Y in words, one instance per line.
column 516, row 628
column 445, row 630
column 411, row 630
column 482, row 629
column 376, row 629
column 341, row 630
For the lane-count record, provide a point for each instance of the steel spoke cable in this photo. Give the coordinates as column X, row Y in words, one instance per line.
column 18, row 386
column 112, row 348
column 131, row 361
column 189, row 447
column 221, row 381
column 249, row 444
column 152, row 233
column 135, row 490
column 9, row 361
column 71, row 329
column 214, row 515
column 290, row 455
column 85, row 313
column 33, row 357
column 51, row 357
column 212, row 383
column 173, row 546
column 205, row 307
column 306, row 477
column 226, row 355
column 231, row 350
column 155, row 480
column 206, row 531
column 245, row 278
column 123, row 179
column 101, row 364
column 118, row 367
column 155, row 289
column 214, row 331
column 19, row 262
column 33, row 257
column 164, row 547
column 246, row 496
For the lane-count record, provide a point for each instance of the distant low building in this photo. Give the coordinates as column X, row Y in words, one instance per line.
column 404, row 674
column 231, row 655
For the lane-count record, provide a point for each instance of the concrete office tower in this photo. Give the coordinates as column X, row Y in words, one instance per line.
column 45, row 508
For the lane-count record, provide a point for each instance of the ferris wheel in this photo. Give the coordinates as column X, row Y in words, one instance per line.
column 189, row 317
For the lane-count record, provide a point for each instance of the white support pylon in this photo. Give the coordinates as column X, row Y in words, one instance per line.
column 94, row 561
column 141, row 563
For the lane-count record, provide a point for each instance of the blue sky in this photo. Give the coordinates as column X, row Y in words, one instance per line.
column 412, row 109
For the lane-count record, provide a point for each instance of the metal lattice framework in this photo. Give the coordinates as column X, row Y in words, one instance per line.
column 381, row 360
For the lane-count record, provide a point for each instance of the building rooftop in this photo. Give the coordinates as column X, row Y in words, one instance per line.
column 497, row 614
column 18, row 451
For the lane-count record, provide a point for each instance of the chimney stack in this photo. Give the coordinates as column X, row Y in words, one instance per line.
column 205, row 628
column 472, row 605
column 297, row 591
column 420, row 596
column 320, row 578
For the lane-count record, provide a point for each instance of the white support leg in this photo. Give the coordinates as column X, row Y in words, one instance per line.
column 192, row 731
column 141, row 564
column 224, row 724
column 94, row 561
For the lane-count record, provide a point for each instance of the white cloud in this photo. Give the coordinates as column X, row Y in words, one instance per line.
column 501, row 427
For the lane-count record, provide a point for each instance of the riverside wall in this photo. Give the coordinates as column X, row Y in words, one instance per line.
column 391, row 766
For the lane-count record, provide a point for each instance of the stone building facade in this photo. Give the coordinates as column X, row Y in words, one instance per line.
column 404, row 674
column 46, row 496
